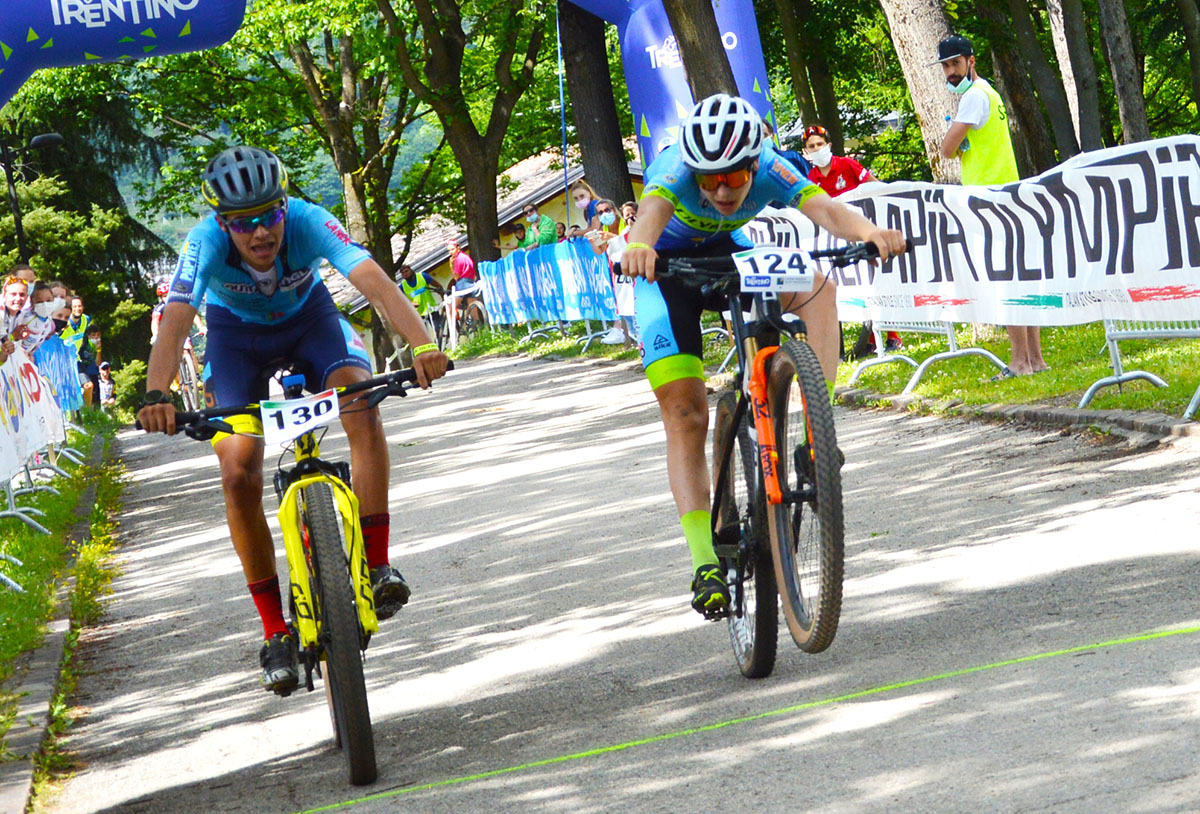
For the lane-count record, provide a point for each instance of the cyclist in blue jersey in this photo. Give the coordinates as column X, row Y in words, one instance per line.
column 698, row 194
column 255, row 264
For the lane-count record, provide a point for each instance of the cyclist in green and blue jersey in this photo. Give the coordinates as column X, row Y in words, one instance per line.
column 698, row 194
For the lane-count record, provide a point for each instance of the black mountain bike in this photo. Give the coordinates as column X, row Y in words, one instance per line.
column 777, row 504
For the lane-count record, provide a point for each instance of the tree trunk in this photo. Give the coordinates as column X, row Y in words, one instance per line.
column 916, row 27
column 1030, row 137
column 820, row 77
column 1126, row 74
column 1190, row 12
column 1048, row 83
column 694, row 24
column 1075, row 50
column 592, row 105
column 797, row 60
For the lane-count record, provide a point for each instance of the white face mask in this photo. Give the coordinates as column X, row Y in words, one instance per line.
column 45, row 309
column 57, row 303
column 821, row 157
column 581, row 203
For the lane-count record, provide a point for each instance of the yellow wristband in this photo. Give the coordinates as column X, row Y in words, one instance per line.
column 419, row 349
column 638, row 246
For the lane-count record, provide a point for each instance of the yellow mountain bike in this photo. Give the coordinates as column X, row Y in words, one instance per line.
column 332, row 605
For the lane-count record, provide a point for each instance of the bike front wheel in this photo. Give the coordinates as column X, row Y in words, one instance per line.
column 754, row 611
column 807, row 534
column 189, row 385
column 340, row 635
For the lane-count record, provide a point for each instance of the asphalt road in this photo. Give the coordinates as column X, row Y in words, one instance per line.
column 989, row 656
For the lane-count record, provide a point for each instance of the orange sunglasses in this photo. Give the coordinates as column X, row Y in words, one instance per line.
column 733, row 180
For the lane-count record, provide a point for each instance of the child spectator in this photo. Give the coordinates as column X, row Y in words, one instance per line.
column 107, row 387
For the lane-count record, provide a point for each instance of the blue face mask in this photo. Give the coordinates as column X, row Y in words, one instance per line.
column 608, row 218
column 532, row 218
column 962, row 87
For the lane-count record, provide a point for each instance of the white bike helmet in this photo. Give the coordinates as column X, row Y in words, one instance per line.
column 721, row 134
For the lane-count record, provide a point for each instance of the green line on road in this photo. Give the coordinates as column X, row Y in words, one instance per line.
column 900, row 685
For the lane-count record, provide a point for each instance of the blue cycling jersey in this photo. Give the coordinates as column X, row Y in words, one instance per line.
column 210, row 265
column 696, row 221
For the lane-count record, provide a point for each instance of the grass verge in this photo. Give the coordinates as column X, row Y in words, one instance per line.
column 1077, row 356
column 48, row 559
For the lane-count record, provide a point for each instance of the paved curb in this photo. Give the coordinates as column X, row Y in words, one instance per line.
column 36, row 680
column 1124, row 422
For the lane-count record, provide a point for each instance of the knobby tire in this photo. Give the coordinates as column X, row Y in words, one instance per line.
column 754, row 633
column 343, row 667
column 807, row 536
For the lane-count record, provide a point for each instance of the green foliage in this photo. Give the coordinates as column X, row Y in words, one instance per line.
column 129, row 383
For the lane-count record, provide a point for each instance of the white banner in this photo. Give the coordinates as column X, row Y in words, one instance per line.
column 1111, row 234
column 29, row 416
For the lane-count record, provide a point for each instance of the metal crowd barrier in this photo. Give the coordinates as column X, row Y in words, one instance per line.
column 1117, row 329
column 946, row 329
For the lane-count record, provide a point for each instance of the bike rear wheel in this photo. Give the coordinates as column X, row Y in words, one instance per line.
column 340, row 634
column 474, row 319
column 807, row 534
column 754, row 612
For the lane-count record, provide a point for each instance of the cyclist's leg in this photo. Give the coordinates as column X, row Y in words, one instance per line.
column 818, row 309
column 668, row 320
column 338, row 357
column 232, row 378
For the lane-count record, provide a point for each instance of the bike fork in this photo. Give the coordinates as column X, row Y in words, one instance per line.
column 764, row 425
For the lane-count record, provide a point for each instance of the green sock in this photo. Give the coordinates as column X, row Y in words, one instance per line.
column 697, row 530
column 831, row 385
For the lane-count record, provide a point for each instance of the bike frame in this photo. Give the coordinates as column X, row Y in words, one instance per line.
column 308, row 450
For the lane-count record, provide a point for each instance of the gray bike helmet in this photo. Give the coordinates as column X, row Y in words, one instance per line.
column 241, row 178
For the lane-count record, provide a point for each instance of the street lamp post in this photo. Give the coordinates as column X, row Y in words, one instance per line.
column 8, row 159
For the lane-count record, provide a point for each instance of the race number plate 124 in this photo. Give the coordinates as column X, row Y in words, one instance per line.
column 772, row 269
column 284, row 421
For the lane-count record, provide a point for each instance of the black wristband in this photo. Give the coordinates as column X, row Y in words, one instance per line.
column 155, row 397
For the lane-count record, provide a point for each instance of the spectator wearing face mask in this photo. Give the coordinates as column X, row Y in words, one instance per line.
column 585, row 199
column 540, row 230
column 41, row 326
column 834, row 173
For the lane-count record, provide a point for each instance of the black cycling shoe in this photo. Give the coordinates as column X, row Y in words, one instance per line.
column 390, row 589
column 710, row 594
column 280, row 664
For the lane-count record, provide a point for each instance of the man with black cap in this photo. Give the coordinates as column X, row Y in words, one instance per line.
column 987, row 160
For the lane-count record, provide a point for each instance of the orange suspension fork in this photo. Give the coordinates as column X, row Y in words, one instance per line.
column 765, row 425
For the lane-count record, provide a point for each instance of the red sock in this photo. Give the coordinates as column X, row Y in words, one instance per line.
column 376, row 529
column 269, row 604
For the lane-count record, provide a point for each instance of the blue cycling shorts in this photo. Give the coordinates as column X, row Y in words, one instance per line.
column 668, row 318
column 241, row 356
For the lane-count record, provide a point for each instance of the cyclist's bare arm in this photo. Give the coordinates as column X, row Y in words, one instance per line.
column 846, row 223
column 654, row 213
column 383, row 294
column 164, row 363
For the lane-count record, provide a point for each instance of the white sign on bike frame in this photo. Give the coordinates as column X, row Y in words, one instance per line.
column 768, row 268
column 284, row 421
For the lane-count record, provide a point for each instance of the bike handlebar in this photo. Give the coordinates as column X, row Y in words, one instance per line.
column 202, row 425
column 719, row 267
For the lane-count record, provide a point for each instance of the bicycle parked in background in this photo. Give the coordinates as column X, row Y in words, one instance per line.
column 777, row 505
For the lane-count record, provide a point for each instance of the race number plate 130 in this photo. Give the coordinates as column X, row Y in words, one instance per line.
column 772, row 269
column 284, row 421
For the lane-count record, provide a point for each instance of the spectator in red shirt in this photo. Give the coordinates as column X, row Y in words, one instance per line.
column 834, row 173
column 837, row 174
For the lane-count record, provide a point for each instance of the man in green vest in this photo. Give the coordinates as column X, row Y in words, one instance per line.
column 75, row 336
column 979, row 136
column 420, row 288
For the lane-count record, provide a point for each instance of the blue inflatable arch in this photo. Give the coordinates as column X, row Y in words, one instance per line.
column 55, row 33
